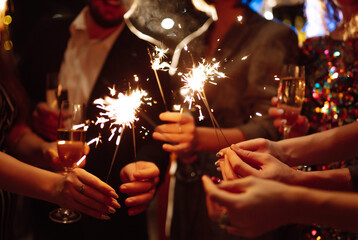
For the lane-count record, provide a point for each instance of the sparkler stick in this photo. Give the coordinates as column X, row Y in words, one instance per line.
column 155, row 66
column 114, row 157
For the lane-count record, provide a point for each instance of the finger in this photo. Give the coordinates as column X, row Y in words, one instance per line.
column 230, row 174
column 95, row 182
column 136, row 210
column 176, row 117
column 275, row 112
column 278, row 122
column 133, row 188
column 170, row 128
column 181, row 147
column 236, row 186
column 86, row 199
column 253, row 145
column 89, row 211
column 253, row 159
column 43, row 108
column 217, row 195
column 239, row 166
column 173, row 137
column 274, row 101
column 99, row 197
column 140, row 199
column 147, row 173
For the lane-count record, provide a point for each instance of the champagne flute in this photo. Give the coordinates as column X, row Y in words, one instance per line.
column 291, row 94
column 71, row 135
column 55, row 94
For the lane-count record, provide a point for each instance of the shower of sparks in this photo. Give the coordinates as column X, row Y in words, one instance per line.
column 157, row 59
column 119, row 111
column 196, row 79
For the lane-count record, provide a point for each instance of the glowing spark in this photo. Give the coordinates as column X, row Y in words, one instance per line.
column 95, row 140
column 258, row 114
column 3, row 7
column 121, row 111
column 239, row 18
column 196, row 79
column 245, row 57
column 201, row 116
column 158, row 56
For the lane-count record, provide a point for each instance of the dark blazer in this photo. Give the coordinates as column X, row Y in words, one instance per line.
column 128, row 57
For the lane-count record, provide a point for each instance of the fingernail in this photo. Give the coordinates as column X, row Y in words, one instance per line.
column 217, row 163
column 218, row 169
column 129, row 201
column 113, row 194
column 123, row 188
column 234, row 147
column 274, row 99
column 280, row 111
column 115, row 203
column 105, row 217
column 111, row 210
column 219, row 154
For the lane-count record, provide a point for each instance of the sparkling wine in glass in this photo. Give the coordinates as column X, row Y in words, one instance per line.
column 71, row 136
column 291, row 94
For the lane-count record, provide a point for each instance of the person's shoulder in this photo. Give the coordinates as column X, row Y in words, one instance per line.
column 270, row 28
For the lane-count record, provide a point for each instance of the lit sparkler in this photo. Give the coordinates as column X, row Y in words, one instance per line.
column 195, row 81
column 158, row 64
column 120, row 111
column 3, row 8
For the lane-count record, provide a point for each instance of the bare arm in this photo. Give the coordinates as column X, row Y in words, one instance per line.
column 207, row 138
column 250, row 201
column 23, row 143
column 97, row 200
column 329, row 146
column 239, row 162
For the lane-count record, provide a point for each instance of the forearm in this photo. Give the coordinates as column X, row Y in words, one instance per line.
column 26, row 145
column 329, row 146
column 212, row 140
column 24, row 179
column 336, row 180
column 334, row 209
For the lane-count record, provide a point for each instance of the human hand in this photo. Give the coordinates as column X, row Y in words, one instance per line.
column 140, row 181
column 82, row 191
column 50, row 153
column 299, row 128
column 248, row 203
column 262, row 165
column 180, row 132
column 45, row 121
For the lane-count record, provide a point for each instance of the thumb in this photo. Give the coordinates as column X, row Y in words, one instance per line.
column 217, row 195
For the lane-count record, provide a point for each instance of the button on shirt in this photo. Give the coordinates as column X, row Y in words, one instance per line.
column 83, row 59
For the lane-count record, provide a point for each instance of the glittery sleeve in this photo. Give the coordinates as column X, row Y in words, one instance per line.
column 354, row 174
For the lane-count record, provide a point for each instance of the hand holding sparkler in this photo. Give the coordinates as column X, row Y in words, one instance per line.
column 180, row 132
column 140, row 181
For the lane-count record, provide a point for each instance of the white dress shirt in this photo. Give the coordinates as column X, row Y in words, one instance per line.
column 83, row 59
